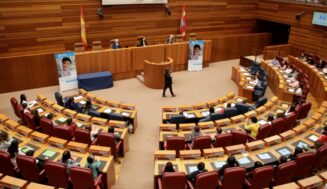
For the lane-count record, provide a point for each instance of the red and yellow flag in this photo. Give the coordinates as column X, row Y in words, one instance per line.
column 83, row 28
column 182, row 27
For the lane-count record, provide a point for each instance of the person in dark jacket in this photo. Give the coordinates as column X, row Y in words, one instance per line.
column 168, row 83
column 231, row 162
column 201, row 169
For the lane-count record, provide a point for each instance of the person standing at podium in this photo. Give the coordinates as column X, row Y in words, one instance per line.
column 168, row 83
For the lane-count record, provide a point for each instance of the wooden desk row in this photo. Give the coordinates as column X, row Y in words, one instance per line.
column 51, row 148
column 132, row 59
column 13, row 182
column 317, row 80
column 278, row 82
column 61, row 115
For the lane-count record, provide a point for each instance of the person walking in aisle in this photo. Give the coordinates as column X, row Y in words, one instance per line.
column 168, row 83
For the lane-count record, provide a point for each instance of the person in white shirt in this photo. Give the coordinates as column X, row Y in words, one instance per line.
column 299, row 91
column 275, row 63
column 5, row 141
column 295, row 83
column 289, row 69
column 324, row 70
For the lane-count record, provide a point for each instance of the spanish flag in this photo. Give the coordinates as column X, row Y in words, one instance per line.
column 182, row 27
column 83, row 28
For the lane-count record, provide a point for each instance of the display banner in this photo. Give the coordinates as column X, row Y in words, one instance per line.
column 195, row 60
column 66, row 71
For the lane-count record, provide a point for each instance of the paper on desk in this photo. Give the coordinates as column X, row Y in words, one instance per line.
column 313, row 138
column 192, row 168
column 302, row 145
column 205, row 113
column 239, row 100
column 62, row 119
column 49, row 153
column 82, row 102
column 31, row 103
column 219, row 164
column 125, row 114
column 291, row 90
column 264, row 156
column 262, row 122
column 188, row 115
column 244, row 160
column 108, row 111
column 40, row 110
column 78, row 97
column 250, row 87
column 284, row 152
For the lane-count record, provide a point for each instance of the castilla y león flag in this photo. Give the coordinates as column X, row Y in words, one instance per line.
column 83, row 28
column 182, row 28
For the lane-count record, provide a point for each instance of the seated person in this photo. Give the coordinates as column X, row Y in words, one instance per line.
column 323, row 137
column 13, row 152
column 231, row 162
column 23, row 99
column 297, row 151
column 5, row 141
column 142, row 42
column 93, row 131
column 299, row 91
column 201, row 169
column 219, row 130
column 69, row 103
column 324, row 70
column 282, row 159
column 168, row 168
column 294, row 83
column 257, row 164
column 87, row 107
column 36, row 115
column 291, row 109
column 270, row 118
column 170, row 39
column 280, row 115
column 94, row 165
column 196, row 132
column 115, row 44
column 68, row 160
column 25, row 107
column 71, row 125
column 316, row 145
column 112, row 130
column 252, row 127
column 289, row 69
column 39, row 164
column 275, row 63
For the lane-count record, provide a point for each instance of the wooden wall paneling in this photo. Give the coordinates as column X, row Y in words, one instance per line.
column 52, row 26
column 27, row 72
column 154, row 53
column 303, row 35
column 231, row 47
column 178, row 52
column 207, row 53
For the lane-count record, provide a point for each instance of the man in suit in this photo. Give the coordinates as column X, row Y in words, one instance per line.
column 142, row 42
column 170, row 39
column 115, row 44
column 201, row 169
column 168, row 83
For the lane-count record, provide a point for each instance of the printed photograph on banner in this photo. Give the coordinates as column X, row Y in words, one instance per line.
column 66, row 68
column 195, row 61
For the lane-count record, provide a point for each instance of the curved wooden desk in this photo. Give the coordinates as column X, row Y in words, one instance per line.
column 153, row 73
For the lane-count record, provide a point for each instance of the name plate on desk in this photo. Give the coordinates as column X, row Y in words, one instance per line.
column 235, row 149
column 117, row 124
column 39, row 137
column 165, row 154
column 11, row 124
column 57, row 142
column 223, row 122
column 24, row 131
column 213, row 152
column 287, row 135
column 100, row 150
column 270, row 141
column 190, row 154
column 299, row 129
column 255, row 145
column 167, row 127
column 77, row 146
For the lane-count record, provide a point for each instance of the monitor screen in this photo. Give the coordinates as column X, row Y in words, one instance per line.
column 319, row 18
column 127, row 2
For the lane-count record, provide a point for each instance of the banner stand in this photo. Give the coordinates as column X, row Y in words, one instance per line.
column 195, row 60
column 67, row 73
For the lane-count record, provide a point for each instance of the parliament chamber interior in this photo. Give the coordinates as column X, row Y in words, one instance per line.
column 163, row 94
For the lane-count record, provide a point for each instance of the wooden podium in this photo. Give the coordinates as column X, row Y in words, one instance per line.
column 154, row 73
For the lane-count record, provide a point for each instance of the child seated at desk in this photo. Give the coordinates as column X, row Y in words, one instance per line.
column 112, row 131
column 196, row 132
column 5, row 141
column 94, row 130
column 168, row 168
column 94, row 165
column 201, row 169
column 71, row 125
column 68, row 160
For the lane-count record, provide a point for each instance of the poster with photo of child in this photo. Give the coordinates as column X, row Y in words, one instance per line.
column 67, row 73
column 195, row 60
